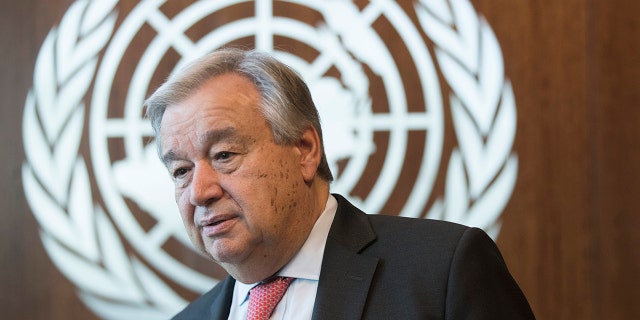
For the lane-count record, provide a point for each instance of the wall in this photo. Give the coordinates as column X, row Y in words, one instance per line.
column 568, row 232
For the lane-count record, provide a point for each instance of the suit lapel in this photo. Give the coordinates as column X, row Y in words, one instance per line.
column 221, row 305
column 346, row 275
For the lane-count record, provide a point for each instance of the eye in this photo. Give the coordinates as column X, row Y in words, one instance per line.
column 180, row 172
column 226, row 161
column 224, row 155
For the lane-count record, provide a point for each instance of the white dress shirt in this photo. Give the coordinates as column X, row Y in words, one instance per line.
column 297, row 302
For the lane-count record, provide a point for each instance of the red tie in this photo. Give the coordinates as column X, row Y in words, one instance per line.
column 264, row 297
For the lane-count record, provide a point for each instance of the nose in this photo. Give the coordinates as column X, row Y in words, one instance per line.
column 205, row 185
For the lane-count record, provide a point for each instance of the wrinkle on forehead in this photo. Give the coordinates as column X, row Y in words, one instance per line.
column 211, row 137
column 222, row 134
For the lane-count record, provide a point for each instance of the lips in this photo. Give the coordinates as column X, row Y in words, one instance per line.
column 217, row 225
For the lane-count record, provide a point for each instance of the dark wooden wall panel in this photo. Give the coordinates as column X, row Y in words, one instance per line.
column 614, row 96
column 570, row 230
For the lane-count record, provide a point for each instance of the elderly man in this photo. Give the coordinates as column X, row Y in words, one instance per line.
column 241, row 139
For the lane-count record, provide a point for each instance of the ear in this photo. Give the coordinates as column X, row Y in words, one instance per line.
column 310, row 153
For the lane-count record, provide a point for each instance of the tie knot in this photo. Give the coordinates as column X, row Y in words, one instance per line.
column 264, row 297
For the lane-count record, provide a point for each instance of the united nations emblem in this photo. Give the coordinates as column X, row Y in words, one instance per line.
column 380, row 72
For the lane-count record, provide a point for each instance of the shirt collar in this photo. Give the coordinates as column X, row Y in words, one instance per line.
column 307, row 262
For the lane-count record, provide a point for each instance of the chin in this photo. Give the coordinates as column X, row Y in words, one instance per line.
column 225, row 256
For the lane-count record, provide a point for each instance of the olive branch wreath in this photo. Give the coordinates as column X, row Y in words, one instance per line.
column 78, row 236
column 84, row 244
column 482, row 171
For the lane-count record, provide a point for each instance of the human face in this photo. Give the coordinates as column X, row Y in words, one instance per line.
column 242, row 198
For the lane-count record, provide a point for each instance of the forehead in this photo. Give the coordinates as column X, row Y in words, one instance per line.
column 227, row 100
column 224, row 89
column 223, row 93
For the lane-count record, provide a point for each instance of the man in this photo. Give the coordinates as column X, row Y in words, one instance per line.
column 241, row 138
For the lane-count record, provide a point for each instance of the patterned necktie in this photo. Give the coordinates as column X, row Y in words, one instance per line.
column 264, row 297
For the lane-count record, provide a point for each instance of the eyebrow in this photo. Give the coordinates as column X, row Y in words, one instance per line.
column 209, row 137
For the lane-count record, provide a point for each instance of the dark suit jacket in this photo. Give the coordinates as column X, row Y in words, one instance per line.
column 384, row 267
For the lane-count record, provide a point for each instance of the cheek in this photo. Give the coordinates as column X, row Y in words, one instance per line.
column 285, row 186
column 178, row 196
column 185, row 207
